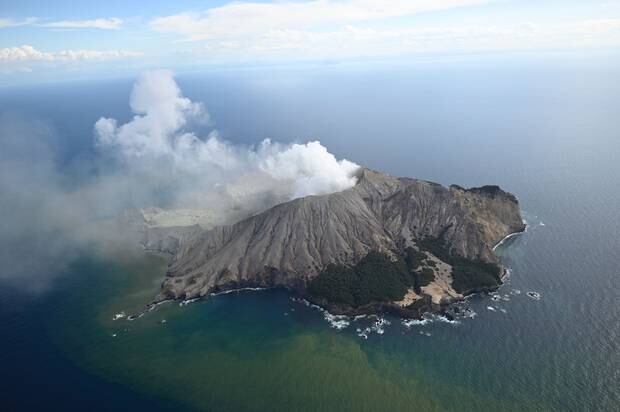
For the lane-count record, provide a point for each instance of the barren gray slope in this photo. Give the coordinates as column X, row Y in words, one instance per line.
column 291, row 243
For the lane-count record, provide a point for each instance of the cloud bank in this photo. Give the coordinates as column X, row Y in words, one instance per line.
column 345, row 29
column 102, row 24
column 27, row 53
column 252, row 18
column 51, row 214
column 8, row 23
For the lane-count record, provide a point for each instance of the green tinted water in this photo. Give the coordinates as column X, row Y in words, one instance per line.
column 251, row 351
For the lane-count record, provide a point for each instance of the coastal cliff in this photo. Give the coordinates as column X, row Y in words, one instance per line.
column 436, row 243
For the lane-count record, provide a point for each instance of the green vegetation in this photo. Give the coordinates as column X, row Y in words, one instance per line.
column 468, row 275
column 376, row 278
column 425, row 276
column 414, row 258
column 472, row 275
column 421, row 277
column 436, row 246
column 420, row 304
column 380, row 279
column 338, row 284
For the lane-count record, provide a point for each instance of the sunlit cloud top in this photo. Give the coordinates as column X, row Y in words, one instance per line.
column 192, row 34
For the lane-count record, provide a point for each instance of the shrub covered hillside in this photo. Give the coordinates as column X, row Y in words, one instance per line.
column 376, row 278
column 468, row 275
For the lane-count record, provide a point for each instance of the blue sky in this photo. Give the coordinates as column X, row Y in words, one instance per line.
column 67, row 38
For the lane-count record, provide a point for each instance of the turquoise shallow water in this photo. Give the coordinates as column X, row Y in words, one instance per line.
column 555, row 145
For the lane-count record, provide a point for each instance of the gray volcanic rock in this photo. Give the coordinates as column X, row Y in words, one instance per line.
column 291, row 243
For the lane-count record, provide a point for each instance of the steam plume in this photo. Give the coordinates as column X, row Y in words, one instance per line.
column 155, row 159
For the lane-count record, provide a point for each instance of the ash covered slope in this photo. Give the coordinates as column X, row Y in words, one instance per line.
column 290, row 244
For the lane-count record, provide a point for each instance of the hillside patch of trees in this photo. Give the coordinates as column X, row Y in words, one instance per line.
column 376, row 278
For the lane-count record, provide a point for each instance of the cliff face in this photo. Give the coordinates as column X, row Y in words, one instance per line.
column 290, row 244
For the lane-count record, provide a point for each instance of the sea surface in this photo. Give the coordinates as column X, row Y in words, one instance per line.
column 546, row 131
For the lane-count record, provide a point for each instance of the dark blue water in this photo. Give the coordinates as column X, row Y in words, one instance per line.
column 547, row 132
column 37, row 375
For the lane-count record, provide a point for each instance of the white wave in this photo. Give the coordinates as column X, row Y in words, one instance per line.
column 226, row 292
column 363, row 333
column 430, row 318
column 445, row 319
column 501, row 242
column 119, row 315
column 188, row 301
column 155, row 305
column 336, row 321
column 415, row 322
column 470, row 314
column 534, row 295
column 379, row 326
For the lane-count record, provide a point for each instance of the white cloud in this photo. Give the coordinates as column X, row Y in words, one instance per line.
column 6, row 23
column 363, row 28
column 353, row 41
column 104, row 24
column 246, row 18
column 27, row 53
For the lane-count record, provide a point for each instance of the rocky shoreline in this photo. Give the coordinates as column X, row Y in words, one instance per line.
column 375, row 308
column 381, row 308
column 312, row 246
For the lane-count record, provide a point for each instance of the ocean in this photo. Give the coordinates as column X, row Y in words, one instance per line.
column 547, row 341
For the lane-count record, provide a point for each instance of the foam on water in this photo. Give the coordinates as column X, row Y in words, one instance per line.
column 188, row 301
column 336, row 321
column 501, row 242
column 378, row 327
column 534, row 295
column 226, row 292
column 119, row 315
column 415, row 322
